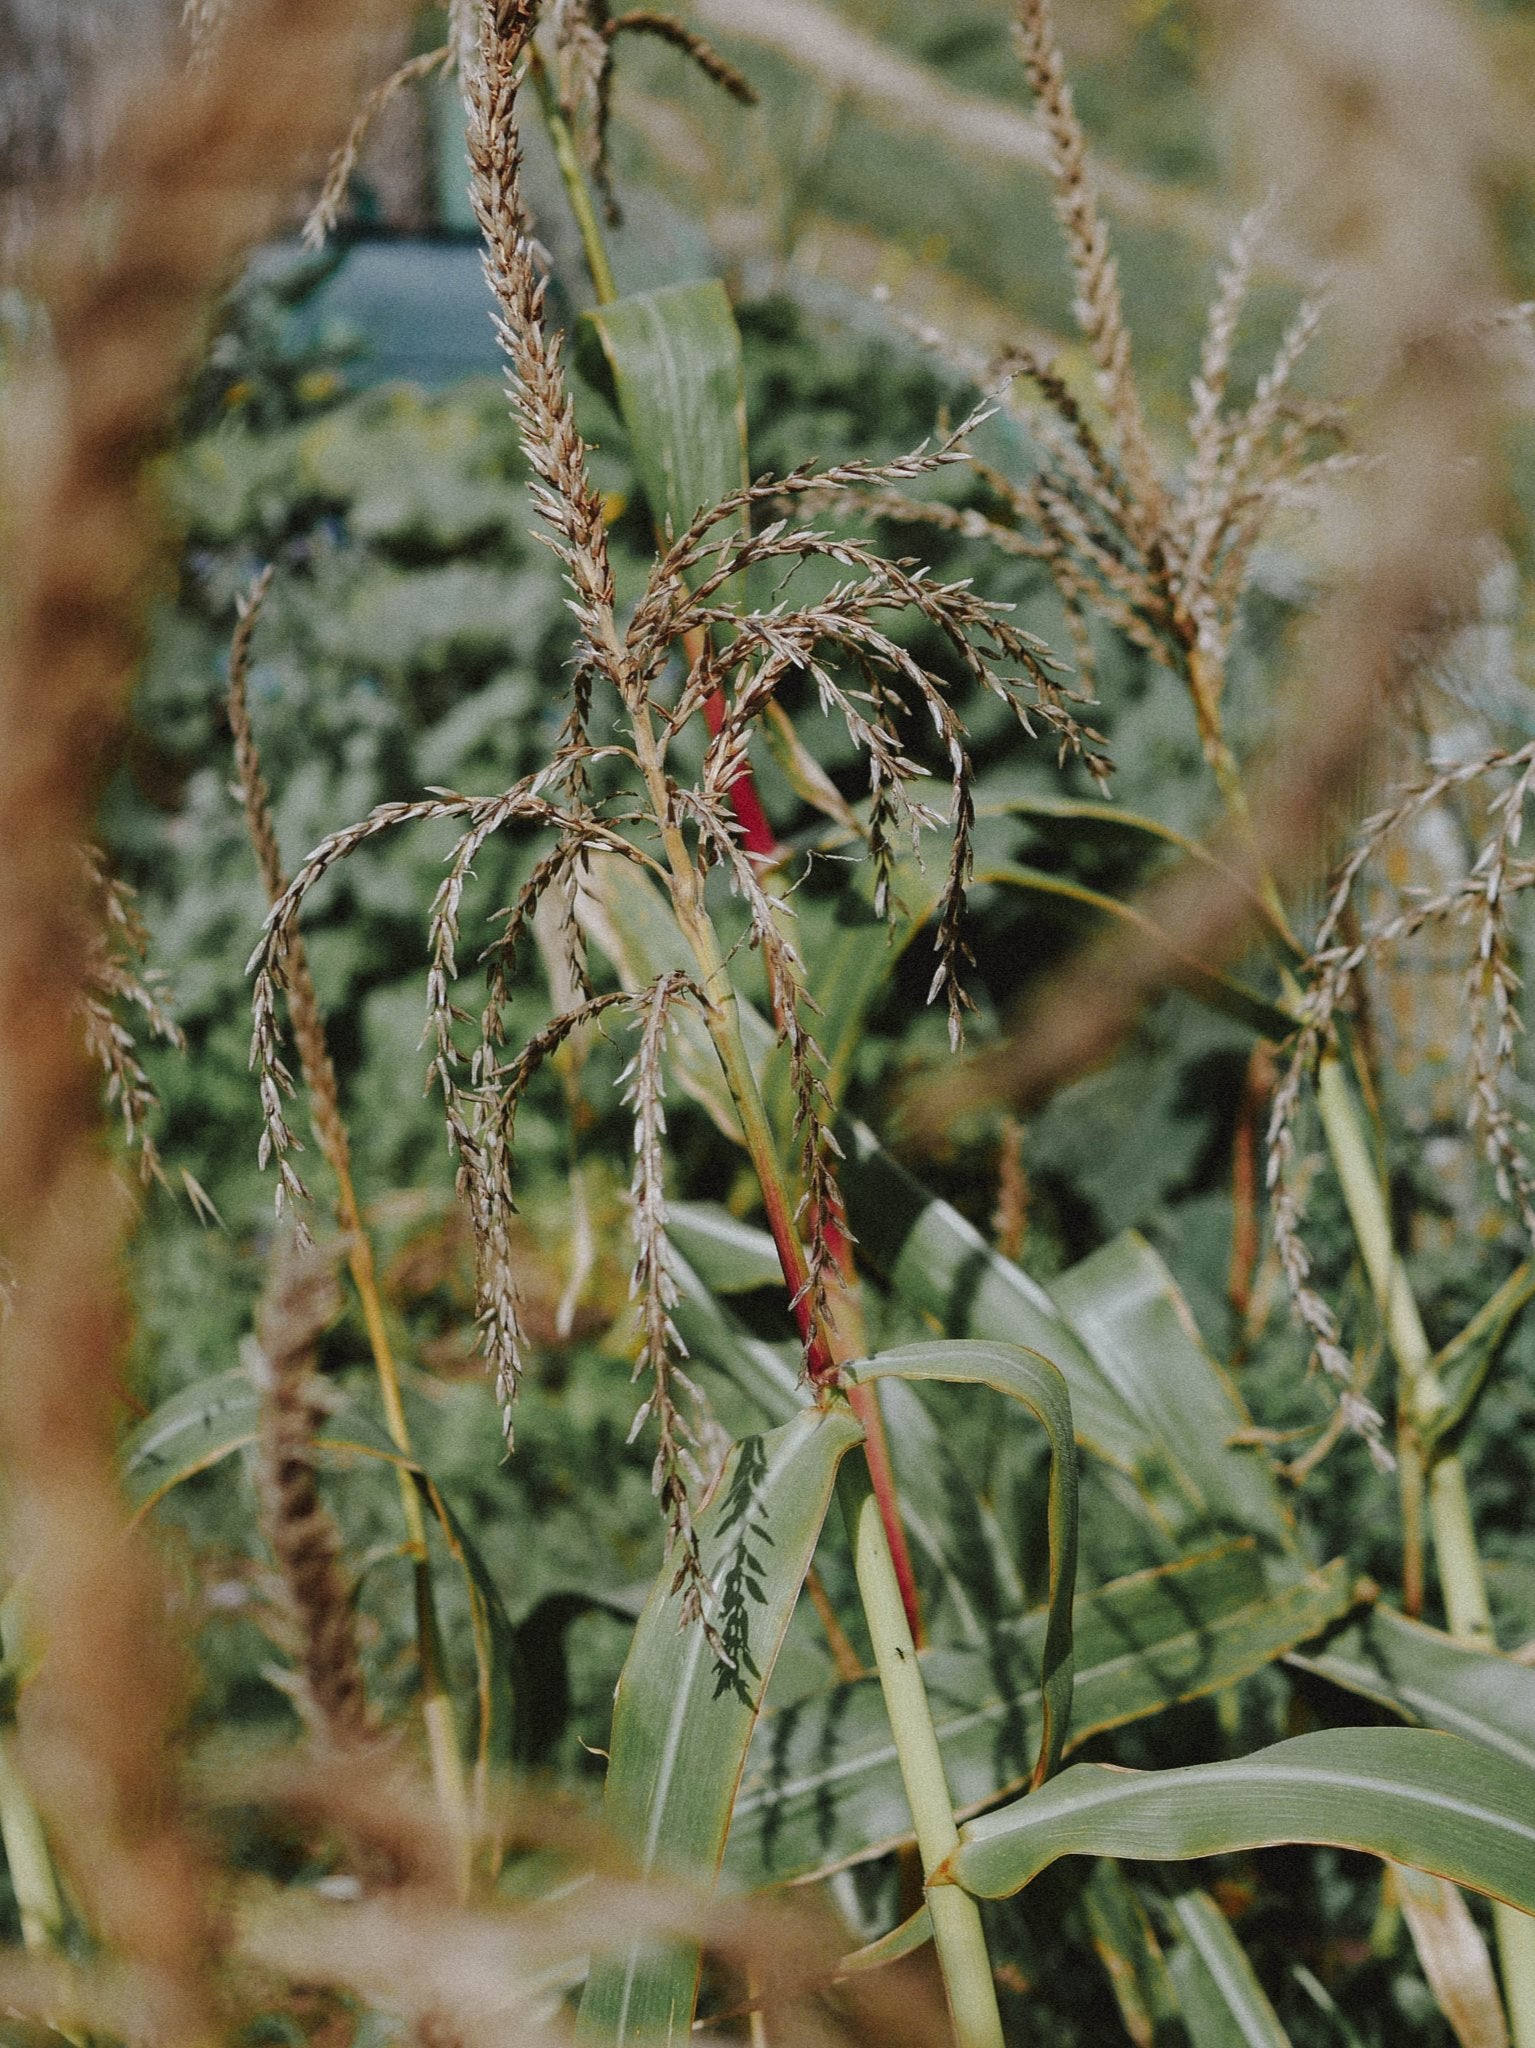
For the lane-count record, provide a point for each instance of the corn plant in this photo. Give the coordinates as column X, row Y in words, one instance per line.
column 657, row 902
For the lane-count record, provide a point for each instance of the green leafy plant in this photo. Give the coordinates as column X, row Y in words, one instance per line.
column 1066, row 1555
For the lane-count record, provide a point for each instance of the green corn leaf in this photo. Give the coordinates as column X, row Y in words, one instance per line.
column 1427, row 1677
column 541, row 1669
column 1343, row 2034
column 1220, row 2000
column 675, row 360
column 1208, row 985
column 1146, row 1397
column 1452, row 1955
column 823, row 1788
column 215, row 1417
column 849, row 954
column 682, row 1722
column 1034, row 1383
column 1126, row 1944
column 728, row 1256
column 188, row 1433
column 1126, row 1309
column 1100, row 811
column 623, row 912
column 767, row 1374
column 1429, row 1800
column 495, row 1640
column 1464, row 1367
column 948, row 1522
column 953, row 1533
column 913, row 1933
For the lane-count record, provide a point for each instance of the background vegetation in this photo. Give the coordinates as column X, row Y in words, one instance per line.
column 883, row 221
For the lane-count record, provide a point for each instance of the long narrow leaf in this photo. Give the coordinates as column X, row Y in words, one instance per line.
column 675, row 358
column 850, row 953
column 213, row 1418
column 1425, row 1676
column 632, row 922
column 1145, row 1395
column 1430, row 1800
column 192, row 1431
column 1220, row 2000
column 1464, row 1367
column 1209, row 985
column 1035, row 1384
column 1127, row 1946
column 682, row 1721
column 729, row 1256
column 978, row 1582
column 761, row 1371
column 823, row 1788
column 1454, row 1957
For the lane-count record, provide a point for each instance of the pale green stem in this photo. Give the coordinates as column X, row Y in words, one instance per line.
column 957, row 1932
column 567, row 157
column 27, row 1856
column 1460, row 1568
column 1515, row 1933
column 446, row 1759
column 1461, row 1577
column 958, row 1935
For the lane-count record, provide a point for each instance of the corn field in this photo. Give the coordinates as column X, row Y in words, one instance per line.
column 765, row 1196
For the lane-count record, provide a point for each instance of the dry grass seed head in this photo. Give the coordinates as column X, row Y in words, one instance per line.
column 1098, row 309
column 661, row 1349
column 304, row 1012
column 585, row 35
column 1482, row 902
column 563, row 494
column 118, row 984
column 326, row 211
column 301, row 1300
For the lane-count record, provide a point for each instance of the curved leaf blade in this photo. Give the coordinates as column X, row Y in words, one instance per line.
column 950, row 1524
column 762, row 1371
column 211, row 1419
column 1035, row 1384
column 675, row 358
column 914, row 1932
column 1453, row 1957
column 1464, row 1367
column 850, row 952
column 1429, row 1800
column 623, row 912
column 729, row 1256
column 823, row 1788
column 1425, row 1676
column 1146, row 1397
column 682, row 1723
column 1220, row 2000
column 1126, row 1944
column 188, row 1433
column 1208, row 985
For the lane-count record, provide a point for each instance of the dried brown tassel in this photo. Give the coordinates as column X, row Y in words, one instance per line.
column 326, row 210
column 300, row 1300
column 303, row 1004
column 646, row 21
column 1098, row 308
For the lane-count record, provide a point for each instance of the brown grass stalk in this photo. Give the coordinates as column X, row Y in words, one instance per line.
column 308, row 1022
column 301, row 1300
column 197, row 171
column 1098, row 308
